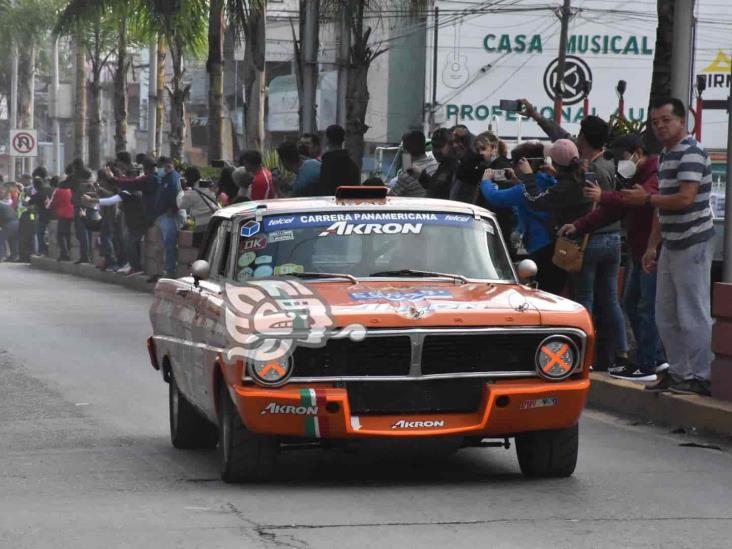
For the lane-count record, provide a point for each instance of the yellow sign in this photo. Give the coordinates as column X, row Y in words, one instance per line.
column 721, row 64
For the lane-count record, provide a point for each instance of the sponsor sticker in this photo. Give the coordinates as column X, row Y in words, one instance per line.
column 246, row 259
column 281, row 236
column 539, row 403
column 263, row 259
column 250, row 228
column 404, row 424
column 406, row 295
column 288, row 409
column 288, row 268
column 253, row 244
column 363, row 219
column 262, row 271
column 244, row 274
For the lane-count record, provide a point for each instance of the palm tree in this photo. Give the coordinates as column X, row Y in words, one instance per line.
column 182, row 26
column 247, row 19
column 27, row 23
column 78, row 18
column 97, row 40
column 363, row 53
column 661, row 78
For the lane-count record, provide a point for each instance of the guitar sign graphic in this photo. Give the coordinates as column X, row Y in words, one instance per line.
column 455, row 73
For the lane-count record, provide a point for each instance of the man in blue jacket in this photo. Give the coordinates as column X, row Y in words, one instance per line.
column 166, row 207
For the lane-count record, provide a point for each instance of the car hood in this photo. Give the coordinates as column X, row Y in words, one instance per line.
column 399, row 304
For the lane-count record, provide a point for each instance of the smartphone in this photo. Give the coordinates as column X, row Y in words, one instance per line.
column 590, row 177
column 218, row 163
column 510, row 105
column 499, row 175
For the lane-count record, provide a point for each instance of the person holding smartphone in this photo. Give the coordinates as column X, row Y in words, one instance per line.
column 538, row 236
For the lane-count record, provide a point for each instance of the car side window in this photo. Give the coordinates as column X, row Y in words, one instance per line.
column 208, row 246
column 225, row 253
column 220, row 261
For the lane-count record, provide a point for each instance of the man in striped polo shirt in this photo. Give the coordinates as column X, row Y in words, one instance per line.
column 684, row 230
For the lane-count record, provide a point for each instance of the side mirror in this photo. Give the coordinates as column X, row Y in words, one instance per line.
column 200, row 271
column 527, row 270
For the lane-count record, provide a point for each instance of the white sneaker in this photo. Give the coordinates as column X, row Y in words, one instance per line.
column 662, row 367
column 125, row 270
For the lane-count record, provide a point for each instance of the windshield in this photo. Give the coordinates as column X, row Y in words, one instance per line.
column 367, row 244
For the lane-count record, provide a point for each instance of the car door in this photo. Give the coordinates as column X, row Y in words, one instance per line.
column 209, row 335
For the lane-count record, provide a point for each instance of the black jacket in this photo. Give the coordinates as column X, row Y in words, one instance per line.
column 439, row 183
column 336, row 170
column 564, row 201
column 468, row 175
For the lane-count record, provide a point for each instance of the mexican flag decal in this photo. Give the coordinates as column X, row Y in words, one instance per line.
column 315, row 426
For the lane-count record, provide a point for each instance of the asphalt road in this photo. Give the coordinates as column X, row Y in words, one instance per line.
column 85, row 461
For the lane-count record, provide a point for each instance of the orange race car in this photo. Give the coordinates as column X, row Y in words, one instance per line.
column 364, row 316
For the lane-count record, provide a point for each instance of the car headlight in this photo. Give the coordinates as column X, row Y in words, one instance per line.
column 272, row 373
column 557, row 358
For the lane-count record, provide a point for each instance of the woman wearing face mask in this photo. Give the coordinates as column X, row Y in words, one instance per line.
column 635, row 167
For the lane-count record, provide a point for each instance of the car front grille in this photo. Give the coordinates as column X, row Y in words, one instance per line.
column 439, row 352
column 474, row 353
column 375, row 356
column 412, row 397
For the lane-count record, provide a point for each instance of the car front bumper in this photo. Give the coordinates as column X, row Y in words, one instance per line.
column 322, row 411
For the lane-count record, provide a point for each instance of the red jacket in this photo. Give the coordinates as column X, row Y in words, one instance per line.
column 61, row 204
column 262, row 187
column 639, row 219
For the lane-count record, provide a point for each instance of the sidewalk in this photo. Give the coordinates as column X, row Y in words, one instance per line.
column 705, row 414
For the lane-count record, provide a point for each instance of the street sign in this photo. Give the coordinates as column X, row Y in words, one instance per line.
column 23, row 143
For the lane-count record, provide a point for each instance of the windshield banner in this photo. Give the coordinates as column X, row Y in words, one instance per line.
column 302, row 221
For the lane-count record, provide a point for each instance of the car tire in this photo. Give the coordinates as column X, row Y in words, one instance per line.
column 244, row 456
column 188, row 428
column 548, row 453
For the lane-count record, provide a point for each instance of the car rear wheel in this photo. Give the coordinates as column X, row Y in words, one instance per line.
column 188, row 428
column 548, row 453
column 244, row 456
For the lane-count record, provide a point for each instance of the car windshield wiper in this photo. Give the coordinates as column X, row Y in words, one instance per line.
column 352, row 278
column 414, row 272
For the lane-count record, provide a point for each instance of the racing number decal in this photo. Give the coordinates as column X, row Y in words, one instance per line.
column 552, row 357
column 315, row 426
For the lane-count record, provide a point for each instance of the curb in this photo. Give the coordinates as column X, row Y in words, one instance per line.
column 705, row 414
column 87, row 270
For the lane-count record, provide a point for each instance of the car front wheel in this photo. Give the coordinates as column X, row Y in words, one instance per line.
column 244, row 456
column 548, row 453
column 188, row 428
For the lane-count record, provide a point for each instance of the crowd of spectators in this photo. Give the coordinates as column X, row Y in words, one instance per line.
column 587, row 188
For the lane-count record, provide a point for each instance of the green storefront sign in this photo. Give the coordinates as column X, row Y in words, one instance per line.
column 598, row 44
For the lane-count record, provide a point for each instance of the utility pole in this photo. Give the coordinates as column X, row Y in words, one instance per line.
column 13, row 101
column 727, row 268
column 559, row 86
column 681, row 50
column 55, row 111
column 310, row 66
column 435, row 37
column 152, row 97
column 344, row 62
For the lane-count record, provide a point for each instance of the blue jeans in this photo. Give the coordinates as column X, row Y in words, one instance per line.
column 169, row 232
column 600, row 271
column 83, row 235
column 41, row 235
column 9, row 235
column 639, row 302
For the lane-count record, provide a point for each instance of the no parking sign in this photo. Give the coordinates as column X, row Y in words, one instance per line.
column 23, row 143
